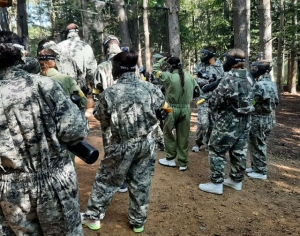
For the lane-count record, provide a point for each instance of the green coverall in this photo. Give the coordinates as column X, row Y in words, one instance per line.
column 176, row 145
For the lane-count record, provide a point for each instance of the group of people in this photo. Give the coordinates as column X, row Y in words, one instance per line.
column 42, row 110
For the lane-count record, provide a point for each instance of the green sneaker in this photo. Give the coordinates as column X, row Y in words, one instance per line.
column 138, row 229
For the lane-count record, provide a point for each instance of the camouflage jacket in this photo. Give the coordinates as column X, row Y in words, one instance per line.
column 210, row 70
column 235, row 92
column 37, row 120
column 265, row 95
column 126, row 110
column 82, row 53
column 103, row 75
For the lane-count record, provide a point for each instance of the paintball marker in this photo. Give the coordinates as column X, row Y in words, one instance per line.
column 203, row 75
column 85, row 152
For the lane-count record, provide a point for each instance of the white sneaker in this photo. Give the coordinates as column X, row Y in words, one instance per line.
column 212, row 188
column 249, row 170
column 195, row 149
column 166, row 162
column 232, row 184
column 182, row 168
column 102, row 215
column 255, row 175
column 91, row 224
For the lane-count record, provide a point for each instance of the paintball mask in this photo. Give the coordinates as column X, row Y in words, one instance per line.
column 259, row 68
column 229, row 61
column 206, row 55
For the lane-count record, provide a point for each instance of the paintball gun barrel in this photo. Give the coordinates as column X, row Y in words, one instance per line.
column 85, row 152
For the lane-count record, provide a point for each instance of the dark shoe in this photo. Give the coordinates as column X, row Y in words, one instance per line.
column 161, row 146
column 123, row 188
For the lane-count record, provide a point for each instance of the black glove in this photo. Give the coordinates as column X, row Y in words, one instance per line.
column 203, row 75
column 196, row 92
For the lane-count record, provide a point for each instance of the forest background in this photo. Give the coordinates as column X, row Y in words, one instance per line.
column 265, row 29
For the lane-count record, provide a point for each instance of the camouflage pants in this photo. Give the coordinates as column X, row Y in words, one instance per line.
column 203, row 124
column 133, row 161
column 230, row 133
column 261, row 127
column 40, row 204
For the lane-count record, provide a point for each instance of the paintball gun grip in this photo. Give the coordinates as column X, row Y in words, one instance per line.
column 85, row 152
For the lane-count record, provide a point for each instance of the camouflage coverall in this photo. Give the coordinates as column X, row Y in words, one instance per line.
column 67, row 65
column 206, row 117
column 82, row 53
column 266, row 100
column 180, row 118
column 38, row 183
column 126, row 111
column 232, row 99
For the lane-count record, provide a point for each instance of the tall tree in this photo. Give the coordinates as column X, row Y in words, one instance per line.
column 147, row 38
column 292, row 76
column 22, row 20
column 265, row 28
column 241, row 26
column 4, row 19
column 85, row 21
column 174, row 27
column 280, row 48
column 123, row 22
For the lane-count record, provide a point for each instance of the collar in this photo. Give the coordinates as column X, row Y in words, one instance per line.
column 52, row 72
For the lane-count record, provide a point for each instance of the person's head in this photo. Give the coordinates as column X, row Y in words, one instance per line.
column 259, row 68
column 124, row 62
column 207, row 55
column 47, row 44
column 70, row 29
column 175, row 63
column 234, row 59
column 111, row 45
column 47, row 60
column 11, row 49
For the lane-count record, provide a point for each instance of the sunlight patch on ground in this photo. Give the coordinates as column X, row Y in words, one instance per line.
column 286, row 168
column 287, row 187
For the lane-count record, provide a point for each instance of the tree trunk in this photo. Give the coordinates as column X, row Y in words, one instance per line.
column 136, row 45
column 174, row 29
column 22, row 26
column 85, row 21
column 147, row 38
column 280, row 49
column 226, row 10
column 123, row 23
column 293, row 66
column 241, row 26
column 265, row 29
column 4, row 19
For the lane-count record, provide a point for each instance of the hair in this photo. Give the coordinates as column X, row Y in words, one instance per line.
column 9, row 54
column 47, row 64
column 211, row 48
column 238, row 53
column 127, row 59
column 176, row 64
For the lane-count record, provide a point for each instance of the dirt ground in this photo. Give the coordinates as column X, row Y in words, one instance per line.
column 178, row 208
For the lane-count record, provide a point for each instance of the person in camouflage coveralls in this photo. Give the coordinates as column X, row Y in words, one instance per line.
column 64, row 63
column 210, row 68
column 79, row 51
column 103, row 75
column 38, row 183
column 265, row 102
column 232, row 100
column 127, row 113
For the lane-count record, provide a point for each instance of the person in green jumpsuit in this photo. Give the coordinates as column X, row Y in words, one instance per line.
column 179, row 86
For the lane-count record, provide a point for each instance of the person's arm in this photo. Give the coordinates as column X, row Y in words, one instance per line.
column 75, row 90
column 71, row 125
column 157, row 68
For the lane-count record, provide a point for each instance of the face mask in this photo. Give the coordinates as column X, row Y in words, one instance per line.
column 113, row 49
